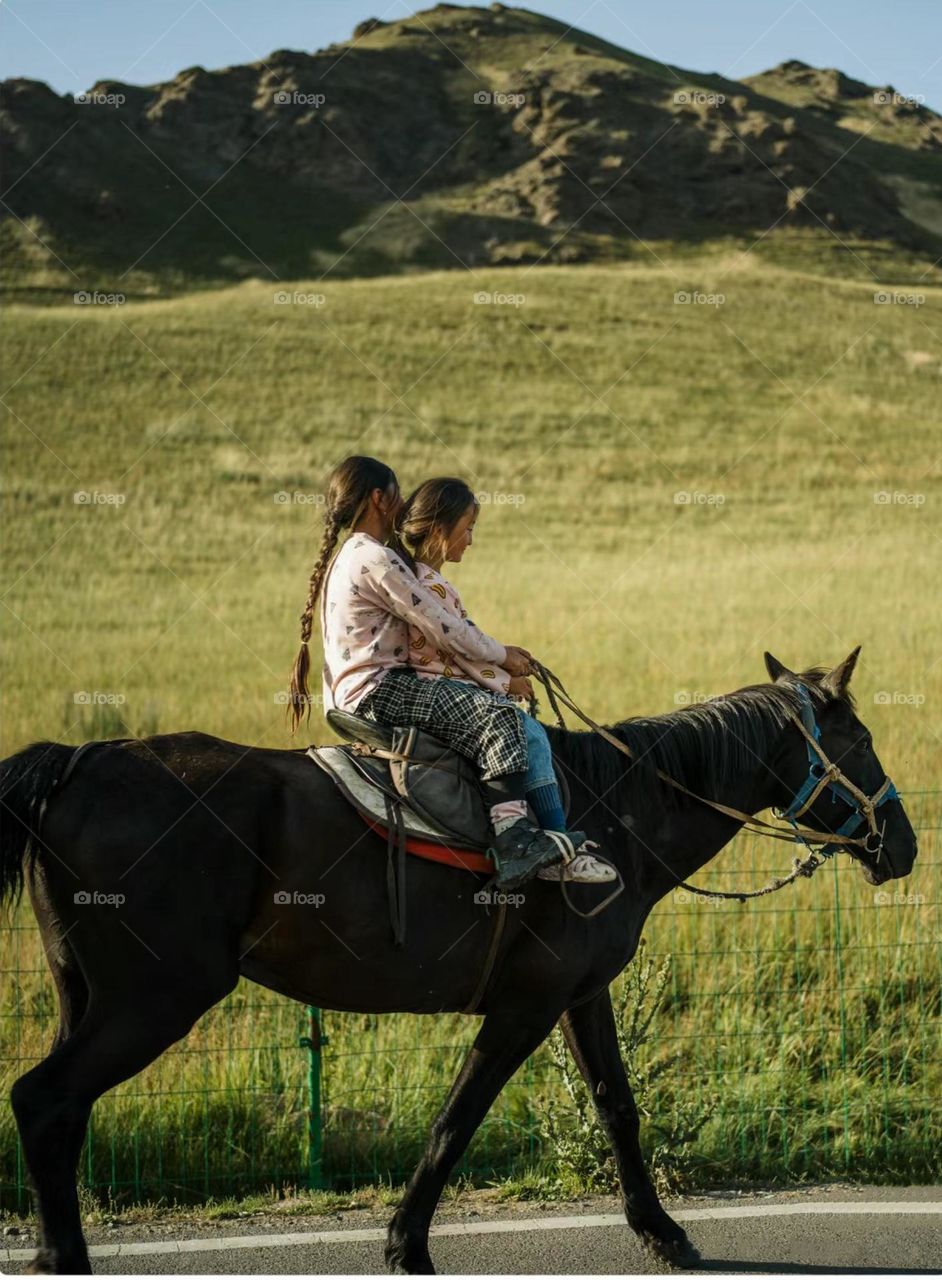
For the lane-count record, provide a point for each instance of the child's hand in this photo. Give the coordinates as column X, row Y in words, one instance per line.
column 517, row 661
column 520, row 687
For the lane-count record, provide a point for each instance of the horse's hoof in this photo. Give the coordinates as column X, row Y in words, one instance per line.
column 675, row 1250
column 402, row 1261
column 41, row 1264
column 422, row 1268
column 45, row 1263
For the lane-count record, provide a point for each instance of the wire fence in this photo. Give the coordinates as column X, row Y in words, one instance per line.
column 804, row 1029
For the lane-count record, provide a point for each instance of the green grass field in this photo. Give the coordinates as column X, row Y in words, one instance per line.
column 669, row 489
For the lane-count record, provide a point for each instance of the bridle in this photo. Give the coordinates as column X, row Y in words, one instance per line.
column 825, row 775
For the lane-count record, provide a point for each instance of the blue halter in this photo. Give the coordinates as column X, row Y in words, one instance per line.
column 818, row 765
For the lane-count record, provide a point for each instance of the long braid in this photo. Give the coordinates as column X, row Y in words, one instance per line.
column 316, row 581
column 299, row 698
column 348, row 498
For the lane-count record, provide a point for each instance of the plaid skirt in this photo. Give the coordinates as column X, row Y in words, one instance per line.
column 486, row 727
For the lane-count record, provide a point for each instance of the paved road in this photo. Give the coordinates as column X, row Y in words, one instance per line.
column 870, row 1231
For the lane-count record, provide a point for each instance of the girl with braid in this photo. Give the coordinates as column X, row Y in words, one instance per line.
column 369, row 596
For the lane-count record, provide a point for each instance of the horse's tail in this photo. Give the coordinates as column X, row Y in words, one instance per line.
column 27, row 780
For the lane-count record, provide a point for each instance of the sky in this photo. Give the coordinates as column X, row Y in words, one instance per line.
column 72, row 43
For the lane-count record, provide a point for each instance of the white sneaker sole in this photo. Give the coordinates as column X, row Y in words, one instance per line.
column 583, row 869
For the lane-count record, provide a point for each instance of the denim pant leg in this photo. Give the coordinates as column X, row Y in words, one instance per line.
column 540, row 771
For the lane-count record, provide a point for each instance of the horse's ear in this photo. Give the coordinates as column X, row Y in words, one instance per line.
column 776, row 668
column 836, row 681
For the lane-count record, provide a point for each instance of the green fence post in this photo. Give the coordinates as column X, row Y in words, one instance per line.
column 315, row 1132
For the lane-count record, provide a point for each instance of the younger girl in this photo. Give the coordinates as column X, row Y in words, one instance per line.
column 435, row 525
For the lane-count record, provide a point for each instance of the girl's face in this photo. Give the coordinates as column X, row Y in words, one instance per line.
column 460, row 537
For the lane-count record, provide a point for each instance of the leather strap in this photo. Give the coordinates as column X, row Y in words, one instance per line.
column 401, row 876
column 396, row 869
column 601, row 906
column 397, row 757
column 556, row 694
column 80, row 751
column 484, row 978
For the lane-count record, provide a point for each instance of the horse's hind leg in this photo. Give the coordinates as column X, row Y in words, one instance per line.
column 502, row 1044
column 591, row 1036
column 73, row 1001
column 52, row 1130
column 52, row 1104
column 71, row 987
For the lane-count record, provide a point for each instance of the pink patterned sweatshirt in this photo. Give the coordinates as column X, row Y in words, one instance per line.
column 431, row 659
column 369, row 601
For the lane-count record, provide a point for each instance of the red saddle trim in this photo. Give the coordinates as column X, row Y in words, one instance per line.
column 463, row 859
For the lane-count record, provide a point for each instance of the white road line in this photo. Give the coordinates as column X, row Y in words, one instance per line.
column 219, row 1244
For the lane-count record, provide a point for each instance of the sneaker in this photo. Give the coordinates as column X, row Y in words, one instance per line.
column 522, row 850
column 583, row 869
column 579, row 865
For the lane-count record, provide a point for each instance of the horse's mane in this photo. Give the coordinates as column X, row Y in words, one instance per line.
column 703, row 746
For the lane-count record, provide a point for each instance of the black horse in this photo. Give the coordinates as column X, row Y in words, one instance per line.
column 164, row 868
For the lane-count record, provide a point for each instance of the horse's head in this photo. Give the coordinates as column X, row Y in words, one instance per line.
column 812, row 780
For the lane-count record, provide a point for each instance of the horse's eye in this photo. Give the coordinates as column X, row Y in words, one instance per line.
column 864, row 745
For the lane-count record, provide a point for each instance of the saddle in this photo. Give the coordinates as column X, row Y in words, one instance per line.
column 424, row 797
column 436, row 791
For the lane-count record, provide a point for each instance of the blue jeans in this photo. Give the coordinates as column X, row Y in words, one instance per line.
column 540, row 771
column 539, row 755
column 542, row 789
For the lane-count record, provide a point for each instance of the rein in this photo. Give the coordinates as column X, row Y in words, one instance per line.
column 822, row 773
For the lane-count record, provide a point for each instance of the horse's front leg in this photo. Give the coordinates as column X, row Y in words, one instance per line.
column 502, row 1044
column 591, row 1036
